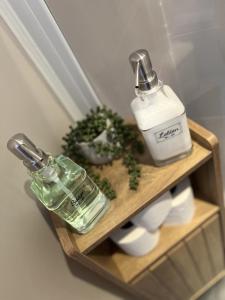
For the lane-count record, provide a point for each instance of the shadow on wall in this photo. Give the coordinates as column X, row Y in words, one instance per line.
column 207, row 107
column 94, row 279
column 74, row 267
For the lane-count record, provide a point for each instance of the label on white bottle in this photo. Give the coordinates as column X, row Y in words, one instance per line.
column 169, row 139
column 168, row 132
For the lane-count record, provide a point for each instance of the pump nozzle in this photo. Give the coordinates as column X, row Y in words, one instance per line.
column 22, row 147
column 146, row 77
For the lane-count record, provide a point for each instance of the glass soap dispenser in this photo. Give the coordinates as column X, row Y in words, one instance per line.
column 61, row 185
column 159, row 113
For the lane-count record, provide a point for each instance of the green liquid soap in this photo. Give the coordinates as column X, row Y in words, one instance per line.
column 65, row 188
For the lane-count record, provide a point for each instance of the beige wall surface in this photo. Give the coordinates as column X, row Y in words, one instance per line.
column 102, row 34
column 186, row 40
column 32, row 265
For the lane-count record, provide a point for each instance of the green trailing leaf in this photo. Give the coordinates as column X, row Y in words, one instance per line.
column 123, row 141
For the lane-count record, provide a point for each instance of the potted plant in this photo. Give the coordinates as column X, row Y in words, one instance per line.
column 100, row 138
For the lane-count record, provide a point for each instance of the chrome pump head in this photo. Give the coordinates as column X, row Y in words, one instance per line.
column 22, row 147
column 146, row 77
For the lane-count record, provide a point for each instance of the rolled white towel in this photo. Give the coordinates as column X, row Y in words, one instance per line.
column 183, row 207
column 155, row 214
column 134, row 240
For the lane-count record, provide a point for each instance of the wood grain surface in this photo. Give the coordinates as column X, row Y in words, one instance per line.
column 179, row 272
column 167, row 274
column 213, row 238
column 154, row 182
column 197, row 248
column 130, row 266
column 149, row 285
column 186, row 267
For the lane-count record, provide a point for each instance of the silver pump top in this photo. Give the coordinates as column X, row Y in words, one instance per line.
column 146, row 77
column 22, row 147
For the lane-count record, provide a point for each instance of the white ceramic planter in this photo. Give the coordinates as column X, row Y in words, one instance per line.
column 135, row 240
column 154, row 214
column 90, row 153
column 183, row 208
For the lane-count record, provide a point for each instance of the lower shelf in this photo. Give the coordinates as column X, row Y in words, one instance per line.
column 210, row 284
column 188, row 269
column 126, row 268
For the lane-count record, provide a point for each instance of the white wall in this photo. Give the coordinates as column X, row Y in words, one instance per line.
column 186, row 40
column 32, row 264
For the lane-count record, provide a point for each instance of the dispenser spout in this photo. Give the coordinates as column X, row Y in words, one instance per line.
column 146, row 77
column 23, row 148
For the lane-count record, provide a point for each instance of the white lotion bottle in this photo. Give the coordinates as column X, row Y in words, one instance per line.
column 159, row 113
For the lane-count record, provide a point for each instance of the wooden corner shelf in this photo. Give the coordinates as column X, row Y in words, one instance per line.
column 154, row 182
column 98, row 253
column 127, row 267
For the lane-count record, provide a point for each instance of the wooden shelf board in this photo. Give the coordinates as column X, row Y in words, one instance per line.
column 126, row 267
column 154, row 182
